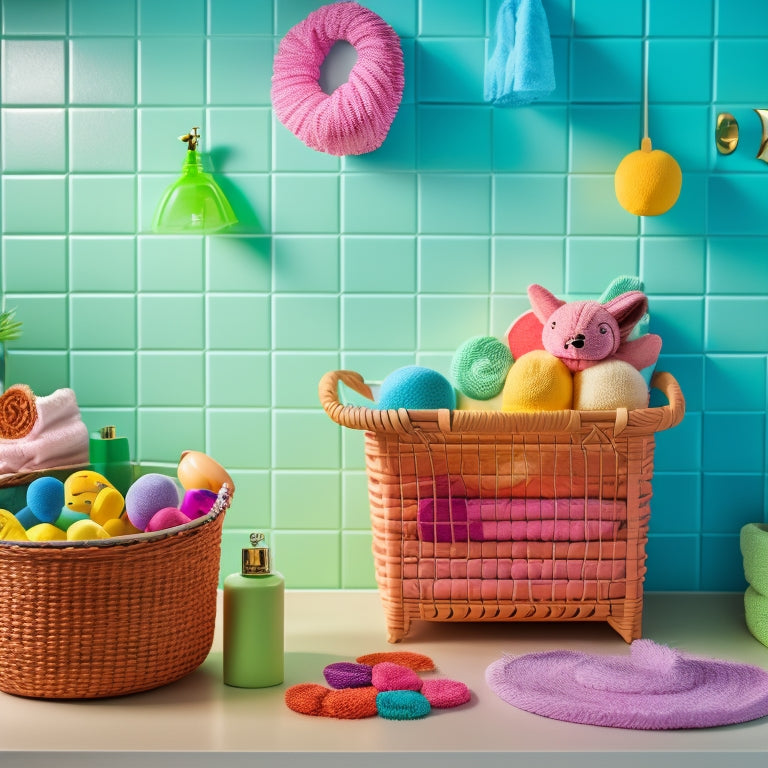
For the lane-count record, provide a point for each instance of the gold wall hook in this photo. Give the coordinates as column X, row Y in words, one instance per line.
column 192, row 138
column 726, row 133
column 762, row 153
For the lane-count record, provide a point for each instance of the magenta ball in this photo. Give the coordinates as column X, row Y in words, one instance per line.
column 197, row 502
column 166, row 518
column 148, row 495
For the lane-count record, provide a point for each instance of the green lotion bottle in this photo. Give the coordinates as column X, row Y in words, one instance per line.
column 254, row 635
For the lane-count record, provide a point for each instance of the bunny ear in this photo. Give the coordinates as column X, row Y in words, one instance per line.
column 543, row 302
column 628, row 309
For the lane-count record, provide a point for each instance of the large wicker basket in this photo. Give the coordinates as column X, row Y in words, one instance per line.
column 110, row 617
column 509, row 560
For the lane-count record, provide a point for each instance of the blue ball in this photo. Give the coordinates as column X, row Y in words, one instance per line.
column 416, row 387
column 45, row 497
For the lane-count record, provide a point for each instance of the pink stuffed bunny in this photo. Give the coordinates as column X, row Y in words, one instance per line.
column 583, row 333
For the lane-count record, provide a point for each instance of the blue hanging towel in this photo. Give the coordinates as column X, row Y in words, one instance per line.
column 520, row 69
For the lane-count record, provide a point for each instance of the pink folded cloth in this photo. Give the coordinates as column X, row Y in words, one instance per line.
column 498, row 550
column 493, row 590
column 519, row 519
column 491, row 568
column 58, row 439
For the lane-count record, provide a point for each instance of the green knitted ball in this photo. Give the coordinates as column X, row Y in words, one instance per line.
column 480, row 366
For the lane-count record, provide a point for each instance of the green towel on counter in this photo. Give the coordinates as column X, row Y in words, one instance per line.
column 756, row 614
column 754, row 549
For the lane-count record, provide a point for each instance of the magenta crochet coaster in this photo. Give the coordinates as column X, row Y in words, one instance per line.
column 654, row 688
column 347, row 674
column 383, row 684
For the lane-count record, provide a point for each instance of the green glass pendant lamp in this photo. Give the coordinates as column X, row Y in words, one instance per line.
column 194, row 204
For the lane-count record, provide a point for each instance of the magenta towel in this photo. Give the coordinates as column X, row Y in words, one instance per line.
column 519, row 519
column 653, row 688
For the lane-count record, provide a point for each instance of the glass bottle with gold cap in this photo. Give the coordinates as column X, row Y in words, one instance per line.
column 254, row 635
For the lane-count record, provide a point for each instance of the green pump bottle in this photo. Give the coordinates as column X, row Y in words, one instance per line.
column 254, row 621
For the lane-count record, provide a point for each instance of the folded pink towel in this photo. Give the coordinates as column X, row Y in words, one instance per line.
column 492, row 590
column 59, row 438
column 457, row 568
column 519, row 519
column 414, row 548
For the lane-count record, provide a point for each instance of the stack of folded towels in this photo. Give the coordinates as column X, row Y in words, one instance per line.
column 39, row 433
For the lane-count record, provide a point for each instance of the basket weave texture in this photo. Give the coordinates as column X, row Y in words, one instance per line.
column 489, row 516
column 83, row 620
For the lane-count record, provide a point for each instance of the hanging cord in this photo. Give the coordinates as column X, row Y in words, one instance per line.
column 645, row 89
column 646, row 141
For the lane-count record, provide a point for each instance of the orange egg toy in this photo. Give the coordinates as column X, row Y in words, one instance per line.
column 198, row 470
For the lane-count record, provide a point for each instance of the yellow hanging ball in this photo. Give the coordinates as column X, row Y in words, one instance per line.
column 648, row 181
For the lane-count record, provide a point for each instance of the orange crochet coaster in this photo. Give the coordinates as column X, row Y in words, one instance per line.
column 18, row 412
column 415, row 661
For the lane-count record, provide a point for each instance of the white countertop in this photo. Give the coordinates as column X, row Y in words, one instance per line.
column 198, row 721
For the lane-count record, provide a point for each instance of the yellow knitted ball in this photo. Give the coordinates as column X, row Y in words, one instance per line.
column 538, row 381
column 608, row 385
column 648, row 181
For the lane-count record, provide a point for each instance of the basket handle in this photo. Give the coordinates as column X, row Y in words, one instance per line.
column 394, row 420
column 328, row 390
column 674, row 411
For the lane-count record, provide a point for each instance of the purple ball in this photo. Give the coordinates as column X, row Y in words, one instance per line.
column 148, row 495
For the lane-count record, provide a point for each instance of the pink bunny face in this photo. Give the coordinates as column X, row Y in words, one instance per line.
column 581, row 333
column 581, row 330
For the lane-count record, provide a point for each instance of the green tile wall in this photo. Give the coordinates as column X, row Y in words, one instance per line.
column 381, row 260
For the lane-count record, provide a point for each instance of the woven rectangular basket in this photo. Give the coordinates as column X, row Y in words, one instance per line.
column 491, row 516
column 91, row 619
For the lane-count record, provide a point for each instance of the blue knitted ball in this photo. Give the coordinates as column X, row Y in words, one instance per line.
column 416, row 387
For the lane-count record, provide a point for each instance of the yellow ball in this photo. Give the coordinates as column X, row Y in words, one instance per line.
column 648, row 181
column 10, row 528
column 86, row 530
column 120, row 526
column 107, row 505
column 538, row 381
column 45, row 532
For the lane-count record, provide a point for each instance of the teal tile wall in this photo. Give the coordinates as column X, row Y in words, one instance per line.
column 381, row 260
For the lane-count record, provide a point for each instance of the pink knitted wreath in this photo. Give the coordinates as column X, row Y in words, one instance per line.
column 356, row 117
